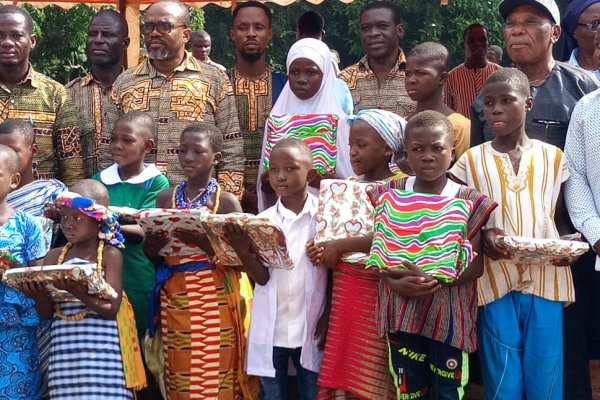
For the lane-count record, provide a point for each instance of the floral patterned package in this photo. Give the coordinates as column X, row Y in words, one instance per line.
column 526, row 249
column 83, row 273
column 8, row 261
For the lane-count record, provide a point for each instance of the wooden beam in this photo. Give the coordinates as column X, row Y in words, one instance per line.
column 132, row 15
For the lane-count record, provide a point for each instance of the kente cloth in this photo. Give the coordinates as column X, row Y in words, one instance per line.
column 192, row 92
column 91, row 101
column 254, row 98
column 449, row 315
column 355, row 359
column 368, row 93
column 133, row 367
column 427, row 230
column 48, row 106
column 464, row 84
column 318, row 131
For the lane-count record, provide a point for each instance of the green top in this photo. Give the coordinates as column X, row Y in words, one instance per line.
column 138, row 272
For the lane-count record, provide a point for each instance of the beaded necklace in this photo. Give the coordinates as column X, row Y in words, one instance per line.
column 61, row 258
column 181, row 201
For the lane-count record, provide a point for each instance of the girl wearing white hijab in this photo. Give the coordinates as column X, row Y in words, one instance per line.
column 323, row 101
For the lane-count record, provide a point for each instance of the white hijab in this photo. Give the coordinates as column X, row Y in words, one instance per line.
column 323, row 102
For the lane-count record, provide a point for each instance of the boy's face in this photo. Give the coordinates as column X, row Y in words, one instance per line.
column 429, row 152
column 9, row 180
column 196, row 155
column 423, row 79
column 367, row 149
column 128, row 145
column 504, row 107
column 24, row 150
column 289, row 171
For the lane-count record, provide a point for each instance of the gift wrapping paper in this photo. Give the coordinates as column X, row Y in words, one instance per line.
column 531, row 249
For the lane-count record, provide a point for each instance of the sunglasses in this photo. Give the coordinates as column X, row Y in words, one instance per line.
column 591, row 26
column 161, row 27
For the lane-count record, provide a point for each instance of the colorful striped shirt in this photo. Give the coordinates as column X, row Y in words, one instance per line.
column 32, row 197
column 526, row 205
column 464, row 84
column 46, row 103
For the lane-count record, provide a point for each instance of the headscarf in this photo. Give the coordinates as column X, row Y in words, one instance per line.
column 571, row 18
column 323, row 102
column 387, row 124
column 110, row 230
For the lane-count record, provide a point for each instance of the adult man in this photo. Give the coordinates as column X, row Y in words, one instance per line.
column 377, row 80
column 530, row 31
column 494, row 54
column 580, row 22
column 256, row 86
column 466, row 80
column 29, row 95
column 200, row 45
column 176, row 90
column 106, row 42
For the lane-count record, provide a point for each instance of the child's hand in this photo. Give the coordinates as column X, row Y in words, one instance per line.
column 77, row 289
column 238, row 238
column 491, row 247
column 195, row 238
column 314, row 252
column 331, row 253
column 321, row 330
column 153, row 242
column 51, row 211
column 316, row 182
column 34, row 289
column 411, row 282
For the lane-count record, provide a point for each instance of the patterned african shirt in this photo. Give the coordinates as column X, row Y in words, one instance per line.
column 47, row 104
column 254, row 99
column 193, row 92
column 367, row 92
column 91, row 100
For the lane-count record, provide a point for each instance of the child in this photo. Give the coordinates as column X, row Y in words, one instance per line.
column 195, row 293
column 93, row 341
column 310, row 90
column 288, row 304
column 131, row 183
column 22, row 237
column 426, row 73
column 421, row 316
column 31, row 195
column 355, row 356
column 520, row 321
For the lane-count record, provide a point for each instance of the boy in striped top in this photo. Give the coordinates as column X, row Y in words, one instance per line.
column 520, row 318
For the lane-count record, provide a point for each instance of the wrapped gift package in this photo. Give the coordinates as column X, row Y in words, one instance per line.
column 427, row 230
column 8, row 261
column 529, row 249
column 126, row 215
column 265, row 236
column 318, row 131
column 83, row 273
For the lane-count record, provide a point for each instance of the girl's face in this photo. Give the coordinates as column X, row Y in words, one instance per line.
column 305, row 78
column 128, row 145
column 77, row 226
column 368, row 150
column 196, row 155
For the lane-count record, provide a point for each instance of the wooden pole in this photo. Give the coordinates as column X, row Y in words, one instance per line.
column 132, row 15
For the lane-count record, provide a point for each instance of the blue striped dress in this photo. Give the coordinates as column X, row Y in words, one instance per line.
column 85, row 358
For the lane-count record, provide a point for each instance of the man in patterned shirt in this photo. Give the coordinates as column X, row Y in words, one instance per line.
column 256, row 86
column 106, row 42
column 29, row 95
column 377, row 80
column 177, row 90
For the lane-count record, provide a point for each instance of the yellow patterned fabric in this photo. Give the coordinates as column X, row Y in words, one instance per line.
column 91, row 101
column 367, row 93
column 46, row 103
column 133, row 368
column 193, row 92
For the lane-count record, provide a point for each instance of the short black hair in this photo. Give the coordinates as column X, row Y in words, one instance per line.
column 143, row 121
column 92, row 189
column 295, row 143
column 199, row 34
column 468, row 29
column 185, row 12
column 117, row 17
column 310, row 25
column 9, row 158
column 513, row 77
column 429, row 119
column 376, row 5
column 251, row 3
column 15, row 126
column 214, row 135
column 12, row 9
column 434, row 53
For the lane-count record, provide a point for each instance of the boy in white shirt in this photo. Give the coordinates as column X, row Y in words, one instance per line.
column 288, row 304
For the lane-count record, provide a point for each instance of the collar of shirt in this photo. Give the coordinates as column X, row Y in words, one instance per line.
column 189, row 63
column 310, row 207
column 89, row 79
column 110, row 176
column 32, row 77
column 363, row 64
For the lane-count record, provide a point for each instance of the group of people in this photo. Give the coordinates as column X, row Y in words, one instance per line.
column 179, row 131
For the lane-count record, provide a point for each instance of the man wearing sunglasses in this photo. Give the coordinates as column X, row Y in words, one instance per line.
column 176, row 89
column 580, row 23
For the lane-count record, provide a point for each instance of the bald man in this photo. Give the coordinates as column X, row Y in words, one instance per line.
column 200, row 45
column 107, row 40
column 176, row 90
